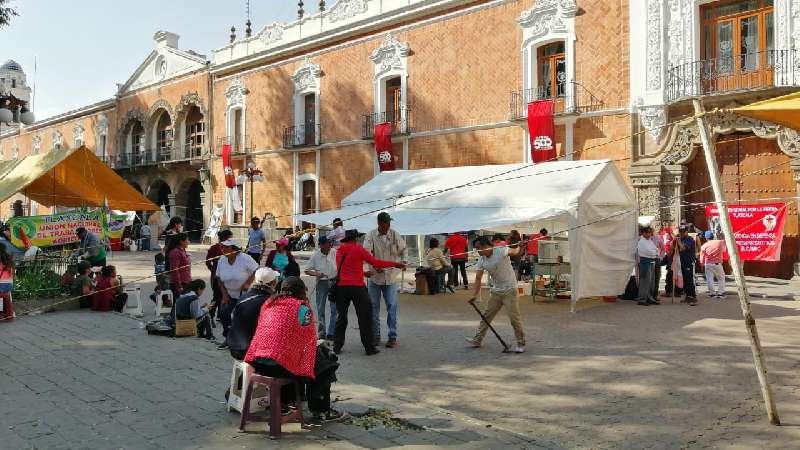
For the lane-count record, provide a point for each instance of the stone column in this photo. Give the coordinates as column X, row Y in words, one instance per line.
column 673, row 188
column 646, row 181
column 171, row 205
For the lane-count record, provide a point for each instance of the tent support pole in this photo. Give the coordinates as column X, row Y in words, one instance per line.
column 420, row 249
column 741, row 284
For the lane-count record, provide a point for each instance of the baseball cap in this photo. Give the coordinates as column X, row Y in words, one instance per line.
column 352, row 235
column 282, row 241
column 709, row 234
column 384, row 217
column 683, row 228
column 266, row 275
column 323, row 240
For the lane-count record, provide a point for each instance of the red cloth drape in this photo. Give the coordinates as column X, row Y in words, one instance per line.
column 383, row 146
column 541, row 128
column 230, row 180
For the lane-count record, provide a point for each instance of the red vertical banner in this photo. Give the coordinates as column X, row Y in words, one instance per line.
column 383, row 146
column 542, row 130
column 757, row 229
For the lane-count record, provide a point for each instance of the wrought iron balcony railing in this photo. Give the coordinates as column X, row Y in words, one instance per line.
column 239, row 146
column 743, row 72
column 399, row 119
column 569, row 98
column 302, row 135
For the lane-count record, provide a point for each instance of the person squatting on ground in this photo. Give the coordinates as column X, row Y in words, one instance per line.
column 82, row 285
column 456, row 247
column 235, row 272
column 108, row 291
column 6, row 285
column 711, row 256
column 350, row 287
column 190, row 307
column 285, row 346
column 385, row 244
column 322, row 265
column 647, row 255
column 502, row 290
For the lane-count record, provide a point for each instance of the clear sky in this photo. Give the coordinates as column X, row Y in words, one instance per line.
column 85, row 47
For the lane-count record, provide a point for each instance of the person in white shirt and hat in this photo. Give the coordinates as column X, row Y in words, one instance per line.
column 322, row 265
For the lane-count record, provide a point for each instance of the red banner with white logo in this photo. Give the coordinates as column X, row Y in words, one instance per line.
column 757, row 229
column 383, row 146
column 542, row 130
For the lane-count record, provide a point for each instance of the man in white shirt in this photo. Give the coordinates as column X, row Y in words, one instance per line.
column 386, row 244
column 503, row 290
column 647, row 251
column 337, row 234
column 323, row 266
column 144, row 237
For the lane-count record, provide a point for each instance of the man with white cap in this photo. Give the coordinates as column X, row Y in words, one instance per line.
column 322, row 265
column 244, row 317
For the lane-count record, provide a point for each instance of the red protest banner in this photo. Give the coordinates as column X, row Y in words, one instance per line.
column 383, row 146
column 757, row 229
column 542, row 130
column 230, row 180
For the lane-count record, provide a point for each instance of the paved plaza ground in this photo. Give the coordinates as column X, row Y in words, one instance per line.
column 612, row 375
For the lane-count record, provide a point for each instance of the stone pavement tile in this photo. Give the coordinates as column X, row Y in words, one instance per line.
column 53, row 441
column 34, row 429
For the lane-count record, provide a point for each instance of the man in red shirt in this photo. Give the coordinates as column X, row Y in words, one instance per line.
column 533, row 244
column 456, row 247
column 350, row 259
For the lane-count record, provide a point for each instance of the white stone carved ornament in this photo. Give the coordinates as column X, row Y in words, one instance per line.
column 77, row 133
column 236, row 93
column 653, row 120
column 307, row 76
column 547, row 16
column 102, row 125
column 654, row 50
column 36, row 142
column 345, row 9
column 271, row 33
column 389, row 56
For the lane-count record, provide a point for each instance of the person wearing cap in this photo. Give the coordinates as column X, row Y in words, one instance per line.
column 213, row 255
column 256, row 240
column 350, row 287
column 711, row 255
column 322, row 265
column 279, row 258
column 385, row 244
column 244, row 317
column 235, row 272
column 91, row 248
column 685, row 246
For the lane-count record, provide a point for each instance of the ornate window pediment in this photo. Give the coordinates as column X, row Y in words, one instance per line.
column 102, row 125
column 58, row 140
column 391, row 55
column 236, row 93
column 77, row 135
column 547, row 17
column 36, row 142
column 307, row 76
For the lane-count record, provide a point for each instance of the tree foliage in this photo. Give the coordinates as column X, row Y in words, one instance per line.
column 6, row 13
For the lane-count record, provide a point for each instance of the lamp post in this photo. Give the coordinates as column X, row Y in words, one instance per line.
column 252, row 174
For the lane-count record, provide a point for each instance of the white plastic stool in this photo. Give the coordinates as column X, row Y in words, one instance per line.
column 240, row 378
column 134, row 292
column 160, row 303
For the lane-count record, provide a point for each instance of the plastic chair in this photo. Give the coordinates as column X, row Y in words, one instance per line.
column 134, row 292
column 276, row 419
column 240, row 377
column 164, row 303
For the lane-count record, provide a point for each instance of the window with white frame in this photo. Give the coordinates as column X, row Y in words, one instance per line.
column 390, row 82
column 58, row 140
column 306, row 129
column 14, row 152
column 77, row 135
column 36, row 144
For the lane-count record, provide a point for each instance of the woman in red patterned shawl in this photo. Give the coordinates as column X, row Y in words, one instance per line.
column 285, row 346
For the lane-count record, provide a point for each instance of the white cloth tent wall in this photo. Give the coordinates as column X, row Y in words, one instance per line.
column 587, row 199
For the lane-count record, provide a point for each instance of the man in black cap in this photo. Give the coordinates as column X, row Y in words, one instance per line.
column 350, row 259
column 686, row 250
column 386, row 244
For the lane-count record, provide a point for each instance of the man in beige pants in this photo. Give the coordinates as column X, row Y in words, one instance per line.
column 503, row 290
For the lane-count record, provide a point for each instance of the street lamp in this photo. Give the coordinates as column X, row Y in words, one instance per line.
column 252, row 174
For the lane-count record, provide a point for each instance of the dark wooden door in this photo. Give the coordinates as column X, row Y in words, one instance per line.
column 753, row 170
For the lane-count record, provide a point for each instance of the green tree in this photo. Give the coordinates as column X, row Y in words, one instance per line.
column 6, row 13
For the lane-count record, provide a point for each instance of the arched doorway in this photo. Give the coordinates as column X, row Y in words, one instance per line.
column 743, row 159
column 189, row 205
column 133, row 143
column 194, row 132
column 159, row 193
column 163, row 136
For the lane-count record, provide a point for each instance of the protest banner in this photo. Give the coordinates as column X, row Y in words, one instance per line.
column 54, row 229
column 757, row 229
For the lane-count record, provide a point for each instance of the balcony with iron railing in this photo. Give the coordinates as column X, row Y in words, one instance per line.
column 306, row 135
column 239, row 147
column 399, row 119
column 725, row 75
column 570, row 99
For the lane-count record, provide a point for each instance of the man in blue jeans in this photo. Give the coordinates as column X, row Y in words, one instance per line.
column 322, row 265
column 386, row 244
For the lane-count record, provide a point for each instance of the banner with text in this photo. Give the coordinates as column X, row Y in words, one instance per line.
column 757, row 229
column 542, row 130
column 55, row 229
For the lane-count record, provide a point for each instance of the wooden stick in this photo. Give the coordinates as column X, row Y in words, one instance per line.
column 738, row 272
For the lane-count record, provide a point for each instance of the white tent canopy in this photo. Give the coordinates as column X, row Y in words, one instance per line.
column 588, row 199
